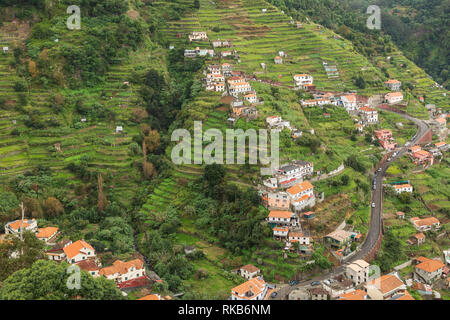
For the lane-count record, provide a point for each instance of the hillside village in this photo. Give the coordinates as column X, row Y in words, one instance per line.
column 314, row 211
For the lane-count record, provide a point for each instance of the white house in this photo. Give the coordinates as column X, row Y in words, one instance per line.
column 278, row 60
column 249, row 271
column 426, row 224
column 78, row 251
column 123, row 271
column 197, row 36
column 239, row 87
column 5, row 49
column 357, row 272
column 14, row 227
column 280, row 232
column 279, row 217
column 302, row 195
column 119, row 129
column 303, row 79
column 273, row 120
column 300, row 237
column 393, row 97
column 251, row 97
column 253, row 289
column 349, row 102
column 368, row 115
column 400, row 188
column 46, row 234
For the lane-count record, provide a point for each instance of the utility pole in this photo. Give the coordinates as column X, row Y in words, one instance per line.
column 21, row 224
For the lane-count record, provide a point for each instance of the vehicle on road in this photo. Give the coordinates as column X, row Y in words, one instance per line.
column 389, row 159
column 374, row 187
column 274, row 294
column 293, row 282
column 315, row 283
column 379, row 169
column 373, row 204
column 327, row 282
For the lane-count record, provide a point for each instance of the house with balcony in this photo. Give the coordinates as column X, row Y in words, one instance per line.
column 349, row 102
column 302, row 195
column 47, row 234
column 368, row 115
column 301, row 80
column 338, row 238
column 428, row 270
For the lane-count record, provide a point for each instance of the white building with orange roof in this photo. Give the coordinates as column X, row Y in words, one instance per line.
column 427, row 224
column 393, row 84
column 368, row 115
column 14, row 227
column 302, row 195
column 237, row 88
column 90, row 266
column 124, row 271
column 428, row 270
column 278, row 60
column 251, row 97
column 251, row 290
column 78, row 251
column 46, row 234
column 349, row 102
column 280, row 232
column 384, row 287
column 300, row 237
column 354, row 295
column 422, row 157
column 282, row 218
column 393, row 97
column 249, row 271
column 414, row 149
column 155, row 296
column 441, row 145
column 302, row 79
column 400, row 188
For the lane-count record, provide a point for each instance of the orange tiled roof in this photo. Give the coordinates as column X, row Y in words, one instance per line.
column 392, row 81
column 46, row 232
column 400, row 186
column 367, row 109
column 255, row 285
column 73, row 249
column 387, row 283
column 280, row 214
column 122, row 267
column 250, row 268
column 151, row 297
column 305, row 185
column 394, row 94
column 16, row 224
column 354, row 295
column 430, row 265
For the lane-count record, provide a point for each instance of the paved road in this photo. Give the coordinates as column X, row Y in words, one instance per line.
column 375, row 214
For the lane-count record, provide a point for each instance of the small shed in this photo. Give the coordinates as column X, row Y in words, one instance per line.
column 5, row 49
column 119, row 129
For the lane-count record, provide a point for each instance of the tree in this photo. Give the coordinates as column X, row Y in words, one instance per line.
column 197, row 4
column 52, row 207
column 102, row 201
column 152, row 141
column 16, row 254
column 48, row 280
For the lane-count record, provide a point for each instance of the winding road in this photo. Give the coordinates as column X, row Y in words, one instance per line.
column 375, row 214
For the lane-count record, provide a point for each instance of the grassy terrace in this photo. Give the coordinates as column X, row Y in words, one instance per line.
column 22, row 148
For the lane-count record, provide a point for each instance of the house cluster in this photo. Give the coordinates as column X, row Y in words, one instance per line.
column 438, row 125
column 240, row 108
column 82, row 254
column 197, row 52
column 15, row 227
column 420, row 156
column 385, row 139
column 277, row 124
column 355, row 284
column 286, row 206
